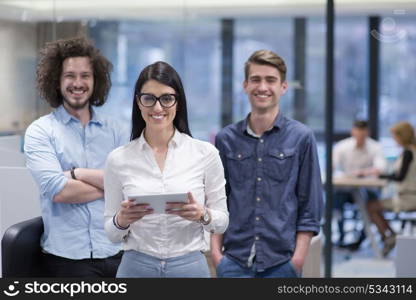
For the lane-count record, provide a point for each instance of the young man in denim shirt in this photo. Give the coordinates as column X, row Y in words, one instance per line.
column 273, row 186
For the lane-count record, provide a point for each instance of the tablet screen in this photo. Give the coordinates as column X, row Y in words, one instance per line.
column 158, row 202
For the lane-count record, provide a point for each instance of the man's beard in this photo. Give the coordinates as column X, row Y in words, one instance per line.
column 77, row 105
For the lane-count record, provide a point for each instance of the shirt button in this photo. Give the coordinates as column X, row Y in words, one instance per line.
column 281, row 155
column 258, row 199
column 261, row 141
column 239, row 155
column 257, row 219
column 257, row 238
column 259, row 159
column 258, row 178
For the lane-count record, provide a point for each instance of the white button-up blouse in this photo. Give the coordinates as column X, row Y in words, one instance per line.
column 191, row 166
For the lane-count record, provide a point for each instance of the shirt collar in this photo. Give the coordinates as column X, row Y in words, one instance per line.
column 278, row 123
column 95, row 117
column 66, row 117
column 250, row 131
column 365, row 145
column 175, row 141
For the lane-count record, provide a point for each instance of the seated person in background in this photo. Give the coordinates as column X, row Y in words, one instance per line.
column 405, row 176
column 162, row 157
column 358, row 156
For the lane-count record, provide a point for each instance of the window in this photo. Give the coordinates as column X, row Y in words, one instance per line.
column 315, row 73
column 191, row 47
column 255, row 34
column 351, row 71
column 397, row 72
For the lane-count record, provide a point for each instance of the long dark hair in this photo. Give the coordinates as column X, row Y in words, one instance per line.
column 165, row 74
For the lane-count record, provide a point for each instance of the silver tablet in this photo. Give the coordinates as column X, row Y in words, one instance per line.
column 158, row 202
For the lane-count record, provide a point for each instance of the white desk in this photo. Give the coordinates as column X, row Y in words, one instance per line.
column 357, row 186
column 359, row 182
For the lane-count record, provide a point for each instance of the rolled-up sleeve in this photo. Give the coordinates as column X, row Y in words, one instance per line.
column 42, row 162
column 113, row 196
column 215, row 199
column 309, row 189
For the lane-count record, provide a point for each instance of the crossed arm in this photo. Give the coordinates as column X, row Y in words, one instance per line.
column 88, row 186
column 53, row 181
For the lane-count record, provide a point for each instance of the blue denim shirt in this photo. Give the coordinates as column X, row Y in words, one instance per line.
column 273, row 190
column 53, row 144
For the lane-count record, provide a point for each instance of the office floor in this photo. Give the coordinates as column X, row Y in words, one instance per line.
column 363, row 262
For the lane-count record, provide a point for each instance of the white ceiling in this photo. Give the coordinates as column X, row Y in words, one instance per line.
column 59, row 10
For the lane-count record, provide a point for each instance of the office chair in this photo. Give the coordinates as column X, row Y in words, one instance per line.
column 351, row 224
column 406, row 217
column 349, row 219
column 21, row 251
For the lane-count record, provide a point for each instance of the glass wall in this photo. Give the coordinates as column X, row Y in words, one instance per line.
column 189, row 37
column 192, row 48
column 397, row 73
column 315, row 74
column 275, row 34
column 351, row 69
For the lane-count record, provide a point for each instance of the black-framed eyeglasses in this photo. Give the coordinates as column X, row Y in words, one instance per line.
column 149, row 100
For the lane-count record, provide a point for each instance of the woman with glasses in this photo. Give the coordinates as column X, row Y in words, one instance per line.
column 163, row 158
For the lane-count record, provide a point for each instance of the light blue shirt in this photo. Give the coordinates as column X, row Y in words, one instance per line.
column 53, row 144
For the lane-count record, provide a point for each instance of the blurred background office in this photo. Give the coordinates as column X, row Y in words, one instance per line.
column 208, row 41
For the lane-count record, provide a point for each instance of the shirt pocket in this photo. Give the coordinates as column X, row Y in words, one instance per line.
column 280, row 163
column 239, row 166
column 66, row 153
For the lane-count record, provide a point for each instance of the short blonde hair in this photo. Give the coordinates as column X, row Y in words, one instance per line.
column 266, row 57
column 404, row 132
